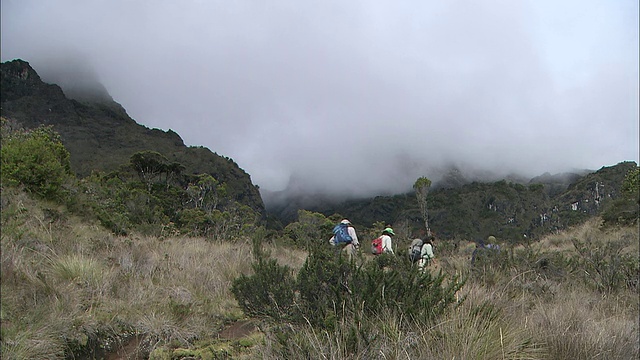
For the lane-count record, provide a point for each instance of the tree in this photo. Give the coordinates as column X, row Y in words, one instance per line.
column 206, row 193
column 421, row 186
column 36, row 159
column 148, row 165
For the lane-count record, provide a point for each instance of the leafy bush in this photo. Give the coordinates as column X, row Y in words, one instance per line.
column 309, row 229
column 266, row 293
column 36, row 159
column 330, row 289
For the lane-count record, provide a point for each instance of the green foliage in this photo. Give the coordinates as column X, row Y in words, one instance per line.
column 149, row 165
column 195, row 222
column 330, row 289
column 626, row 209
column 536, row 187
column 200, row 208
column 268, row 292
column 310, row 229
column 323, row 287
column 392, row 283
column 35, row 159
column 206, row 193
column 506, row 209
column 631, row 183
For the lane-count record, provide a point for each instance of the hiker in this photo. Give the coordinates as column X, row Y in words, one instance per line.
column 421, row 252
column 345, row 233
column 387, row 246
column 426, row 253
column 491, row 243
column 482, row 248
column 476, row 251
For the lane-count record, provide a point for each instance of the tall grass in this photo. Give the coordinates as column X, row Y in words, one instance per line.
column 68, row 286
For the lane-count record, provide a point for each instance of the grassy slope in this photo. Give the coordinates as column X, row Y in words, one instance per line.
column 69, row 283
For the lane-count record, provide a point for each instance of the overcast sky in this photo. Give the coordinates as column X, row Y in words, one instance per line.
column 392, row 89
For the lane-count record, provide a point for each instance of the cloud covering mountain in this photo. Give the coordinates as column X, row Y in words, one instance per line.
column 393, row 90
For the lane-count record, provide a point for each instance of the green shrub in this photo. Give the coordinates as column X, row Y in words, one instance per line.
column 626, row 209
column 266, row 293
column 392, row 283
column 323, row 287
column 329, row 289
column 35, row 159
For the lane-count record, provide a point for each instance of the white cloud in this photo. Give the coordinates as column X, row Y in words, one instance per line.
column 393, row 89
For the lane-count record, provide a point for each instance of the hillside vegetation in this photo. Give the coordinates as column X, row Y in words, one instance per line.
column 73, row 287
column 101, row 136
column 513, row 211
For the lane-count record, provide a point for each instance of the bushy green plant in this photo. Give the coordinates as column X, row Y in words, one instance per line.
column 393, row 283
column 309, row 229
column 268, row 292
column 35, row 159
column 323, row 286
column 330, row 288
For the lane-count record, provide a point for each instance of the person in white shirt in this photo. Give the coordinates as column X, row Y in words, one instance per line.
column 426, row 253
column 387, row 246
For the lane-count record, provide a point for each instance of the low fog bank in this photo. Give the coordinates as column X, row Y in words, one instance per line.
column 306, row 192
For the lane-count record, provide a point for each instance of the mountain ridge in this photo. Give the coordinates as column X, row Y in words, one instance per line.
column 101, row 136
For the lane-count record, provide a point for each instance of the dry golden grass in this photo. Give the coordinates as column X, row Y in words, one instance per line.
column 60, row 270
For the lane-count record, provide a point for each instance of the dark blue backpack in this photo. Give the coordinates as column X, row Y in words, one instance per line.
column 341, row 234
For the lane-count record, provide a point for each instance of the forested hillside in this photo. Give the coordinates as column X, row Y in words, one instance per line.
column 101, row 136
column 513, row 211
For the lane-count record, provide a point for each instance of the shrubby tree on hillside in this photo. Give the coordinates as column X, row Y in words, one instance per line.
column 149, row 165
column 36, row 159
column 206, row 193
column 310, row 229
column 631, row 184
column 328, row 289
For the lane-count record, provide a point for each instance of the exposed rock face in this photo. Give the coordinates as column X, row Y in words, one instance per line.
column 101, row 136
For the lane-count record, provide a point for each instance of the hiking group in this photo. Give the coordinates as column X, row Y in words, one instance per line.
column 344, row 235
column 420, row 252
column 485, row 249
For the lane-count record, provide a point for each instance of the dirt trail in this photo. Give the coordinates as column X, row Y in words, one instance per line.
column 238, row 330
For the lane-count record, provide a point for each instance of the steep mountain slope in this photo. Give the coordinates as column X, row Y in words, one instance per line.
column 101, row 136
column 508, row 210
